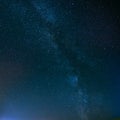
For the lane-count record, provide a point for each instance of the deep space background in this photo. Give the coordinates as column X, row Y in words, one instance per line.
column 59, row 59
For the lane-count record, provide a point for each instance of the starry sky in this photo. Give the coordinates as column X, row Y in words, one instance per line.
column 59, row 59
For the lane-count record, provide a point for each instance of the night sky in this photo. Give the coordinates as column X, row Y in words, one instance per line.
column 59, row 59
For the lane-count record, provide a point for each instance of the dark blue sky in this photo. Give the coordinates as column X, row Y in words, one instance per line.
column 59, row 59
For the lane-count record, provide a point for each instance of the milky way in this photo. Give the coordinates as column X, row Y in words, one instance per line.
column 59, row 59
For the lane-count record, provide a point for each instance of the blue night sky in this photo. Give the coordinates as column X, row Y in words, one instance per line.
column 59, row 60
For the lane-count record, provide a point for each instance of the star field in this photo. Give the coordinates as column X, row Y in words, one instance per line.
column 59, row 60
